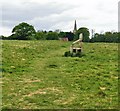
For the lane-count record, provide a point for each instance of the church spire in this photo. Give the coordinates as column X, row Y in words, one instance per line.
column 75, row 27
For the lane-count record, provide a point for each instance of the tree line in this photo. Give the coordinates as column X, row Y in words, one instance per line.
column 24, row 31
column 106, row 37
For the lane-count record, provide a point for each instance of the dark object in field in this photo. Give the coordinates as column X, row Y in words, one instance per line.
column 52, row 66
column 101, row 94
column 74, row 54
column 67, row 54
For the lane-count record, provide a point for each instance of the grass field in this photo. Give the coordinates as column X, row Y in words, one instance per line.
column 36, row 75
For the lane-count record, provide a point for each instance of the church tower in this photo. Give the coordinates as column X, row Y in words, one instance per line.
column 75, row 27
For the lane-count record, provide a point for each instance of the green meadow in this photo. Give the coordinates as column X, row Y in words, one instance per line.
column 36, row 75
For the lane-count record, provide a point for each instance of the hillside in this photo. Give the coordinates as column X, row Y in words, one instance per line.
column 36, row 75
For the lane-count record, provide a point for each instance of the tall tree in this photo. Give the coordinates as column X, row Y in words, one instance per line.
column 62, row 34
column 70, row 36
column 40, row 35
column 52, row 35
column 23, row 31
column 85, row 32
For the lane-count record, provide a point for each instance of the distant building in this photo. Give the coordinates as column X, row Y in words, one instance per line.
column 75, row 27
column 64, row 39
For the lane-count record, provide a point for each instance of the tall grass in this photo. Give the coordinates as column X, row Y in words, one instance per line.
column 36, row 75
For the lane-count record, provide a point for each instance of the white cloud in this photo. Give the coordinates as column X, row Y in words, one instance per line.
column 6, row 31
column 60, row 14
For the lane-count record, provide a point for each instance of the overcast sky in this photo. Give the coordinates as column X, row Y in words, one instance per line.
column 100, row 15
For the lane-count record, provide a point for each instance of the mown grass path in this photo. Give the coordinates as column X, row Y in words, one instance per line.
column 37, row 76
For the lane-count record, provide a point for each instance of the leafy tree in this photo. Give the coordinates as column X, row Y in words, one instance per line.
column 12, row 37
column 99, row 37
column 106, row 37
column 70, row 36
column 116, row 37
column 85, row 32
column 40, row 35
column 52, row 35
column 23, row 31
column 3, row 37
column 62, row 34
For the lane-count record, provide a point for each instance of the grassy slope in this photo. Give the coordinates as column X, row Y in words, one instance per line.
column 36, row 75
